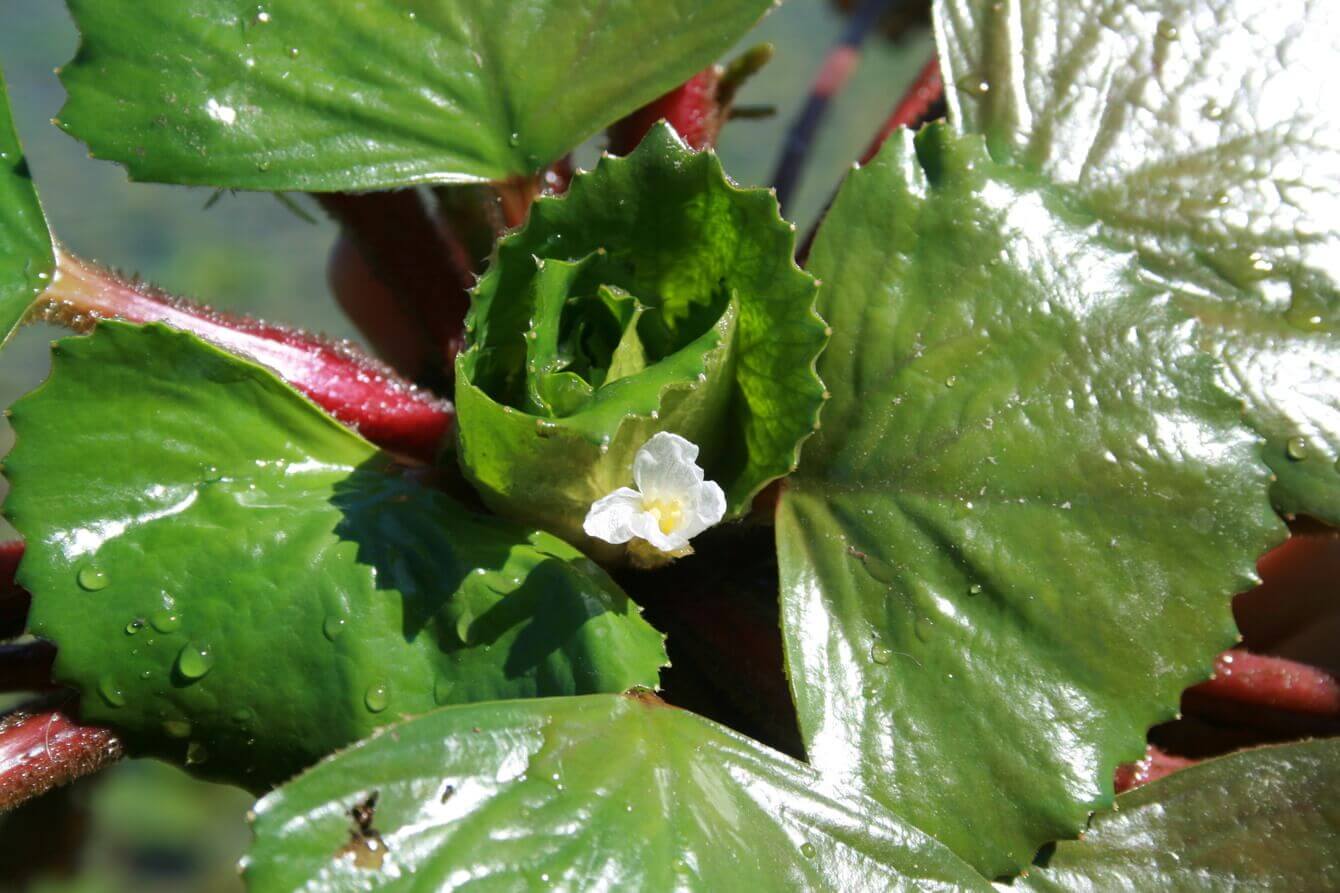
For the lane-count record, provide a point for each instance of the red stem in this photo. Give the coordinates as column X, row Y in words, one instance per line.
column 421, row 262
column 692, row 109
column 26, row 666
column 1272, row 682
column 41, row 751
column 1155, row 765
column 362, row 392
column 13, row 599
column 916, row 104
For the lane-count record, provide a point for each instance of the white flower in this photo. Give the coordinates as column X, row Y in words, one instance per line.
column 672, row 502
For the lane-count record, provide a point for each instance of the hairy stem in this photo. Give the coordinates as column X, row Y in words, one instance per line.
column 44, row 748
column 361, row 392
column 423, row 265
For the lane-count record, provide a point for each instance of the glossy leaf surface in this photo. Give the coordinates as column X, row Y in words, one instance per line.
column 1264, row 819
column 26, row 259
column 235, row 580
column 666, row 298
column 605, row 792
column 330, row 95
column 1203, row 135
column 1013, row 542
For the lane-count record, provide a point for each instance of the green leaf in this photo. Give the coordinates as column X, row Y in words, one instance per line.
column 656, row 296
column 234, row 579
column 606, row 792
column 324, row 96
column 1013, row 543
column 1201, row 135
column 26, row 258
column 1264, row 819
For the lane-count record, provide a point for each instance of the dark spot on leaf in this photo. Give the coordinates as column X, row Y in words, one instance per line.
column 365, row 842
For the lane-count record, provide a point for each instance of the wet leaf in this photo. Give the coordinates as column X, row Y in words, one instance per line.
column 1201, row 135
column 237, row 582
column 1013, row 541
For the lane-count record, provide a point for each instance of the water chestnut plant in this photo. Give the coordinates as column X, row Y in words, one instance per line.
column 984, row 535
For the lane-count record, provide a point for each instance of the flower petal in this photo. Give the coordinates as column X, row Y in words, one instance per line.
column 612, row 517
column 704, row 508
column 665, row 467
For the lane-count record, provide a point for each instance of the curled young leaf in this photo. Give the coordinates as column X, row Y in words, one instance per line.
column 656, row 296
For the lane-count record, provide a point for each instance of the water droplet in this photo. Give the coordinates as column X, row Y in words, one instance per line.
column 196, row 753
column 1212, row 110
column 808, row 850
column 976, row 85
column 92, row 578
column 1167, row 30
column 377, row 697
column 294, row 52
column 975, row 589
column 210, row 474
column 195, row 660
column 880, row 570
column 924, row 628
column 951, row 381
column 514, row 140
column 111, row 692
column 1296, row 448
column 165, row 621
column 243, row 716
column 545, row 428
column 442, row 691
column 332, row 626
column 1305, row 311
column 134, row 626
column 880, row 655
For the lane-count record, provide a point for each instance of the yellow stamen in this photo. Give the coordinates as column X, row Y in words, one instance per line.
column 667, row 514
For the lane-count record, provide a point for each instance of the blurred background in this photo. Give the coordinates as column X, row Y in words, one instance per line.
column 145, row 826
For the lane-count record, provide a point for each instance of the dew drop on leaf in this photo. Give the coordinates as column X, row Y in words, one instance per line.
column 195, row 660
column 134, row 626
column 332, row 626
column 377, row 697
column 165, row 621
column 92, row 578
column 924, row 628
column 1296, row 448
column 196, row 753
column 111, row 692
column 880, row 655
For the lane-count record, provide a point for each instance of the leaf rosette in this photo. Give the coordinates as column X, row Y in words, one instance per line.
column 655, row 296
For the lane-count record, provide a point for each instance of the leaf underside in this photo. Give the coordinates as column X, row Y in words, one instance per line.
column 605, row 792
column 236, row 581
column 26, row 259
column 1264, row 819
column 318, row 95
column 1203, row 136
column 1013, row 542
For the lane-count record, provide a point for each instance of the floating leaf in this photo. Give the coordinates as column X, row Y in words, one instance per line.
column 1013, row 542
column 1199, row 134
column 331, row 95
column 234, row 579
column 602, row 792
column 1264, row 819
column 26, row 259
column 655, row 296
